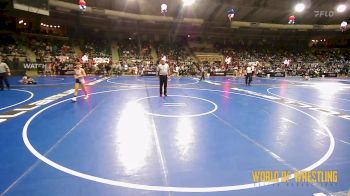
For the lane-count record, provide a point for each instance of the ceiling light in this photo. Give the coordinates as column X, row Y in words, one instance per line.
column 188, row 2
column 299, row 7
column 341, row 8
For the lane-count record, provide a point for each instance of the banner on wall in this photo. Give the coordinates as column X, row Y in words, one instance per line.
column 210, row 58
column 33, row 65
column 149, row 73
column 218, row 73
column 330, row 75
column 99, row 60
column 277, row 74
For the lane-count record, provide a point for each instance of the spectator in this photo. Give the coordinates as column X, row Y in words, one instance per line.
column 4, row 72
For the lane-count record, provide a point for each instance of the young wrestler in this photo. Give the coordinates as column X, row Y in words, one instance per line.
column 79, row 74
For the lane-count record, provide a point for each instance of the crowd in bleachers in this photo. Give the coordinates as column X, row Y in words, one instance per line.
column 51, row 50
column 137, row 57
column 178, row 56
column 172, row 51
column 100, row 48
column 132, row 50
column 134, row 57
column 314, row 62
column 11, row 51
column 128, row 51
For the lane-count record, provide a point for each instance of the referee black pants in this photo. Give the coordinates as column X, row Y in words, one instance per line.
column 248, row 78
column 163, row 81
column 3, row 78
column 202, row 76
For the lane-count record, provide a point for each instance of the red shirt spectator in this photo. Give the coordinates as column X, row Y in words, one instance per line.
column 82, row 3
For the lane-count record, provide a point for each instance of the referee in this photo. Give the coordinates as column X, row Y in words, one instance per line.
column 163, row 72
column 249, row 75
column 202, row 73
column 4, row 72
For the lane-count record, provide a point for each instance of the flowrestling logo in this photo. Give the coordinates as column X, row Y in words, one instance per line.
column 323, row 13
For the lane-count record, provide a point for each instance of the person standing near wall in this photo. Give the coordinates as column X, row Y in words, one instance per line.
column 4, row 72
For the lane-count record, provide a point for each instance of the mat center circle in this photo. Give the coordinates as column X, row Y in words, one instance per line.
column 177, row 106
